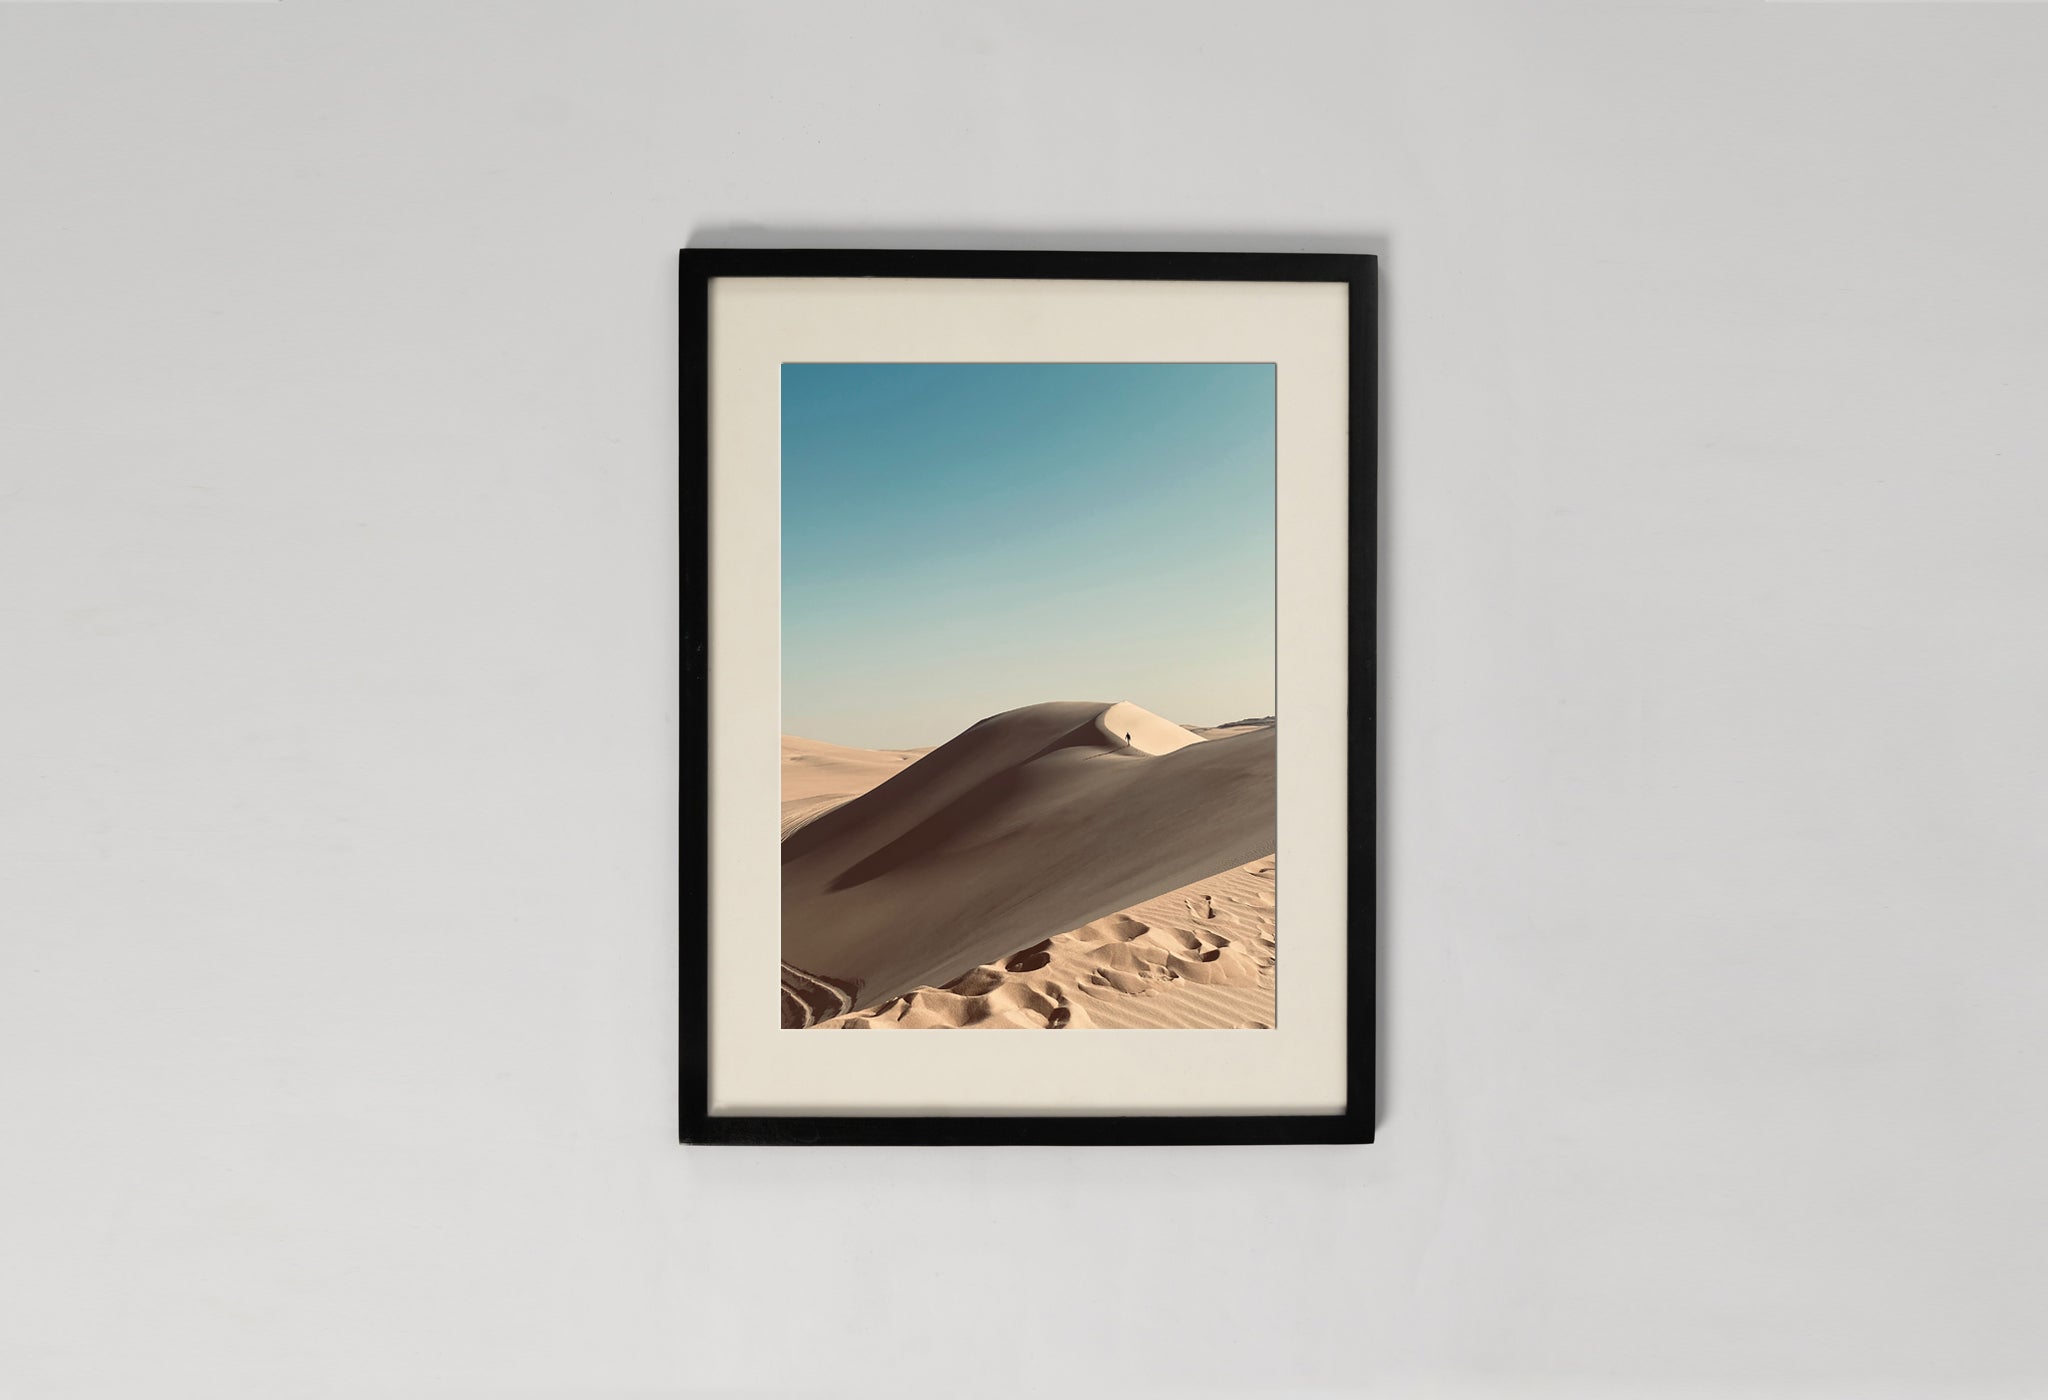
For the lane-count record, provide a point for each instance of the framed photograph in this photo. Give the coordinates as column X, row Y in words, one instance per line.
column 1028, row 630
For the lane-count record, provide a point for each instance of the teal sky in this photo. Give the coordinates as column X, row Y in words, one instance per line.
column 962, row 539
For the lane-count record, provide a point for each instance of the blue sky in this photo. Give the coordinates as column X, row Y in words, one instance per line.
column 962, row 539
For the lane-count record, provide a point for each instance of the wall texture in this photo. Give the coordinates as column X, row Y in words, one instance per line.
column 337, row 605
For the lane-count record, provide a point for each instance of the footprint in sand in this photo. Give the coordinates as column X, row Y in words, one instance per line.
column 1127, row 983
column 1117, row 928
column 976, row 982
column 1176, row 938
column 1031, row 959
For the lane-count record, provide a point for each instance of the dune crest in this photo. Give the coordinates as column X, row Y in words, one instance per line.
column 1141, row 731
column 1028, row 825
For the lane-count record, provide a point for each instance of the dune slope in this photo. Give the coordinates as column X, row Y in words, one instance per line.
column 1029, row 824
column 817, row 776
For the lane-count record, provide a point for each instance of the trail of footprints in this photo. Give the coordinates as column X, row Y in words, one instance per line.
column 1216, row 935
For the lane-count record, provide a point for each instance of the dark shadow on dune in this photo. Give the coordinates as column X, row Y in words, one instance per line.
column 1031, row 959
column 987, row 795
column 939, row 768
column 1081, row 735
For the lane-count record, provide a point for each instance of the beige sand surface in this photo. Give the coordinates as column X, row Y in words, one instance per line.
column 1071, row 865
column 1199, row 957
column 1226, row 730
column 816, row 776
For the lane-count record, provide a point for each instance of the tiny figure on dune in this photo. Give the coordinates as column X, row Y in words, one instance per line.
column 1127, row 738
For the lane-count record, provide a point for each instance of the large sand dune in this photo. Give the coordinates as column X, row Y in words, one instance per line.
column 1029, row 826
column 816, row 776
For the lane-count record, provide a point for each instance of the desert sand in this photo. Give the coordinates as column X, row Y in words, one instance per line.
column 1065, row 865
column 816, row 777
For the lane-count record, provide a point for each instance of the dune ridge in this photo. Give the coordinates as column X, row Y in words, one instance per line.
column 1030, row 826
column 817, row 776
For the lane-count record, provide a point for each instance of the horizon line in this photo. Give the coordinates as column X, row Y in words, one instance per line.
column 1273, row 718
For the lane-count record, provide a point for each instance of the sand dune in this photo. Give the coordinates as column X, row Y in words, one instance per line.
column 1033, row 826
column 1200, row 957
column 816, row 776
column 1224, row 731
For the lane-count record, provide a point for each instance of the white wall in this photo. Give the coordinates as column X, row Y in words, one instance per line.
column 337, row 562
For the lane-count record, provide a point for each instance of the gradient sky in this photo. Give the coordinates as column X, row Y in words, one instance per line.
column 963, row 539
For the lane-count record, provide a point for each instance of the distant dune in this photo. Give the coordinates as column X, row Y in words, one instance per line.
column 816, row 776
column 1236, row 726
column 1032, row 828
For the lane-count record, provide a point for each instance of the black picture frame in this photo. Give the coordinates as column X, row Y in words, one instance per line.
column 700, row 268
